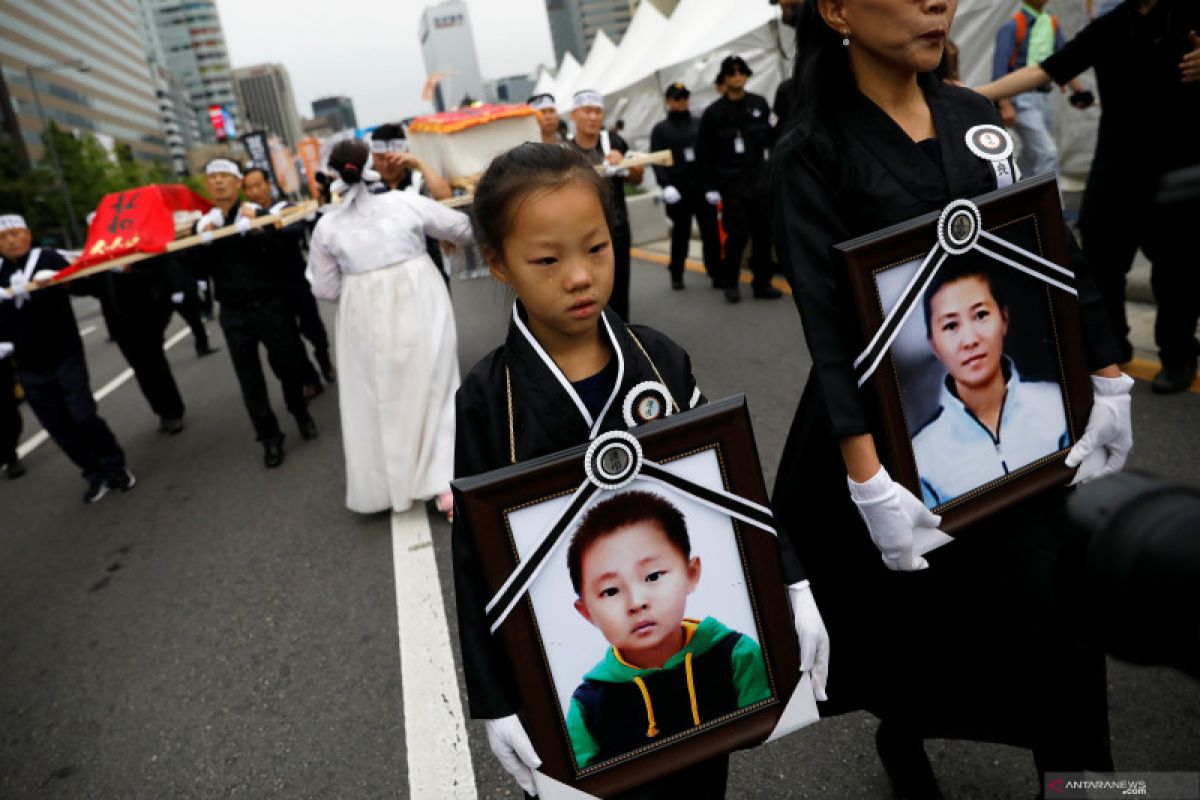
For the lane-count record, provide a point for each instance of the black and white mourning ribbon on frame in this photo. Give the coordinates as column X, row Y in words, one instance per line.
column 612, row 461
column 959, row 231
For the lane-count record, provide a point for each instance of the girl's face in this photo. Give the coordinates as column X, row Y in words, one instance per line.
column 559, row 260
column 966, row 331
column 906, row 35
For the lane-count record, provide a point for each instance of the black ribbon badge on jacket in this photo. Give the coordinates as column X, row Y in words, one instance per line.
column 959, row 230
column 611, row 462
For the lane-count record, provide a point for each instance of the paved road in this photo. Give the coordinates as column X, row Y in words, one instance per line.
column 224, row 630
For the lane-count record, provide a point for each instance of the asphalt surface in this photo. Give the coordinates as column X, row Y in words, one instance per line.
column 225, row 630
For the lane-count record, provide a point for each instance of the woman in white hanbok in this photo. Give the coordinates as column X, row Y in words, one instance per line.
column 396, row 343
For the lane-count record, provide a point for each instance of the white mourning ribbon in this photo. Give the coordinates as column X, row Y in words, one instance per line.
column 956, row 240
column 601, row 476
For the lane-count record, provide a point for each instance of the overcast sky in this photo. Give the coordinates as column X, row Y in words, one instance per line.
column 370, row 50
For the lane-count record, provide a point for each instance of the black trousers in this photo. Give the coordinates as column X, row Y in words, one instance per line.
column 692, row 204
column 1116, row 219
column 620, row 293
column 189, row 309
column 10, row 417
column 140, row 339
column 747, row 219
column 61, row 399
column 304, row 310
column 270, row 324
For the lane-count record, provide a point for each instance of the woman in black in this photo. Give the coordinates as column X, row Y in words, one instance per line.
column 980, row 645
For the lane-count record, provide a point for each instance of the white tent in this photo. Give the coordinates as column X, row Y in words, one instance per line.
column 598, row 62
column 545, row 81
column 643, row 37
column 568, row 71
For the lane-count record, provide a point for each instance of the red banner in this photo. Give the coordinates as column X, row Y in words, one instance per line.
column 137, row 220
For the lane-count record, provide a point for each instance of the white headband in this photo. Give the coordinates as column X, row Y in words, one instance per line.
column 587, row 98
column 389, row 145
column 542, row 101
column 10, row 221
column 222, row 165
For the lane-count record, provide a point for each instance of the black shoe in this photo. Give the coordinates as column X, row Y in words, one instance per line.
column 207, row 350
column 767, row 293
column 676, row 283
column 733, row 294
column 308, row 429
column 97, row 489
column 14, row 469
column 903, row 757
column 170, row 425
column 273, row 452
column 1174, row 379
column 123, row 481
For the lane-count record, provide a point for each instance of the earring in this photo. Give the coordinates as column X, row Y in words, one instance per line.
column 845, row 38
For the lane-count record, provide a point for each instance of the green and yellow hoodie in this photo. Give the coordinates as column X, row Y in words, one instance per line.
column 620, row 707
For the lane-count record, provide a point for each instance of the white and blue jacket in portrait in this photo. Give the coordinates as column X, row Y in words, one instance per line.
column 956, row 453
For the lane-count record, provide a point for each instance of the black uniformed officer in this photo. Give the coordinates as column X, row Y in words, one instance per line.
column 683, row 186
column 601, row 146
column 735, row 141
column 290, row 248
column 250, row 288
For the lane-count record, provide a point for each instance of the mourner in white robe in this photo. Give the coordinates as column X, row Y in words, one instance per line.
column 396, row 343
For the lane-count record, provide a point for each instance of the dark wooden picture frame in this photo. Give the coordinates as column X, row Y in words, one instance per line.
column 1029, row 211
column 485, row 502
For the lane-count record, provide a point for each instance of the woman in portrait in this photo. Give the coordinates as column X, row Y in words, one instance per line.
column 989, row 421
column 932, row 647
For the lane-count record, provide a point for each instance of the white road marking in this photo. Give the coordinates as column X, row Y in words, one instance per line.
column 36, row 440
column 439, row 760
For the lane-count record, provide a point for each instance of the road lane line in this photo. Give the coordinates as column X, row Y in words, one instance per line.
column 36, row 440
column 439, row 760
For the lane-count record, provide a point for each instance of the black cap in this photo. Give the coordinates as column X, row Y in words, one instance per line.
column 730, row 62
column 677, row 91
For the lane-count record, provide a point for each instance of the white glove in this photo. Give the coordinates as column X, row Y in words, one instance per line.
column 6, row 350
column 202, row 285
column 892, row 515
column 1108, row 437
column 16, row 288
column 242, row 225
column 814, row 639
column 712, row 198
column 177, row 299
column 44, row 275
column 215, row 218
column 512, row 748
column 671, row 195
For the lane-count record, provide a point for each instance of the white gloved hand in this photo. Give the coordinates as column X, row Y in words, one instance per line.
column 814, row 639
column 6, row 350
column 242, row 225
column 44, row 275
column 17, row 287
column 1108, row 437
column 202, row 285
column 215, row 218
column 177, row 298
column 512, row 748
column 712, row 198
column 671, row 195
column 892, row 513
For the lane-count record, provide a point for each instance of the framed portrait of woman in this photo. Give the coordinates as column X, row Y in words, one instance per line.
column 637, row 588
column 972, row 349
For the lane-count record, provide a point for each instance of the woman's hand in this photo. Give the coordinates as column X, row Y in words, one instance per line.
column 1108, row 437
column 512, row 748
column 814, row 639
column 893, row 515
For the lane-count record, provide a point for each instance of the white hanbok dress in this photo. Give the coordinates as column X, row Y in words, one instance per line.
column 396, row 343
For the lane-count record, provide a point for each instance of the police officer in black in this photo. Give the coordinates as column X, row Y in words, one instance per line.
column 291, row 249
column 735, row 141
column 683, row 186
column 250, row 288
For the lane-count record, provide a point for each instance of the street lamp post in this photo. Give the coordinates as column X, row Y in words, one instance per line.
column 76, row 64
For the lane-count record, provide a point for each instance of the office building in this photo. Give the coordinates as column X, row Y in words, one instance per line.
column 265, row 101
column 449, row 51
column 339, row 109
column 87, row 71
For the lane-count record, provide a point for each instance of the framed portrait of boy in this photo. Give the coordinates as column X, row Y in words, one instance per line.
column 637, row 588
column 972, row 349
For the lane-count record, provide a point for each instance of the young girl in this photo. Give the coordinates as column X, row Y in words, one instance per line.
column 543, row 220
